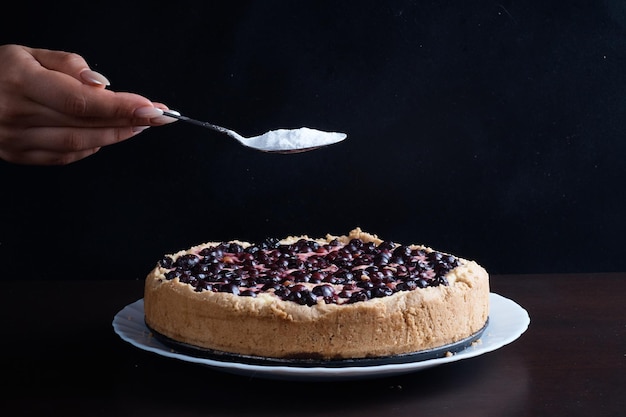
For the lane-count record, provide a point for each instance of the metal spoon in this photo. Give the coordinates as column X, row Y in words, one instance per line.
column 275, row 141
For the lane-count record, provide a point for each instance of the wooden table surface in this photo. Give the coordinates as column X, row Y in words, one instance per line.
column 60, row 356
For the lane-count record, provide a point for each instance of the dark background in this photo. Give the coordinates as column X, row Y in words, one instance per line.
column 491, row 130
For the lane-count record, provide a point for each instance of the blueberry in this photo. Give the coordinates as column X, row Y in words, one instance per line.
column 324, row 290
column 212, row 252
column 301, row 295
column 439, row 280
column 406, row 285
column 345, row 293
column 202, row 285
column 230, row 288
column 434, row 256
column 166, row 262
column 402, row 251
column 172, row 274
column 269, row 243
column 187, row 261
column 368, row 285
column 381, row 291
column 422, row 283
column 344, row 275
column 386, row 245
column 282, row 291
column 358, row 296
column 317, row 277
column 364, row 259
column 252, row 249
column 382, row 258
column 301, row 276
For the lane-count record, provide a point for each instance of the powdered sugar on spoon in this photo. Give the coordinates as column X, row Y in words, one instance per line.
column 275, row 141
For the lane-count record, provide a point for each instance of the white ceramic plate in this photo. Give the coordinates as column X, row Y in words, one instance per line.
column 507, row 322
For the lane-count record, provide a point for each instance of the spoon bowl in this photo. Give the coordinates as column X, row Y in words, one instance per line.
column 275, row 141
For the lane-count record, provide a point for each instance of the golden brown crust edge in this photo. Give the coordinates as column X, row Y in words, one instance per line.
column 405, row 322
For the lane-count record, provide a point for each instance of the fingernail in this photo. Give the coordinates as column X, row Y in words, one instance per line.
column 139, row 129
column 162, row 120
column 148, row 112
column 93, row 77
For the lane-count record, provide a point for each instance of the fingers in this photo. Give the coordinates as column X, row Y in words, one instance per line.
column 73, row 98
column 63, row 82
column 33, row 114
column 56, row 81
column 61, row 145
column 39, row 157
column 55, row 110
column 83, row 105
column 94, row 78
column 71, row 64
column 61, row 139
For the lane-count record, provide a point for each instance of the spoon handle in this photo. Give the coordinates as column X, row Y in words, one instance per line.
column 208, row 125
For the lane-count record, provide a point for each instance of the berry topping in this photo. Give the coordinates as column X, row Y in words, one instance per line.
column 308, row 272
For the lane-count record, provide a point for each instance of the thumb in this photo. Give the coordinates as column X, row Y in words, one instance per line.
column 71, row 64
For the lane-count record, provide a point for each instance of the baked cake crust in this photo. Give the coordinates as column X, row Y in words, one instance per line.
column 268, row 326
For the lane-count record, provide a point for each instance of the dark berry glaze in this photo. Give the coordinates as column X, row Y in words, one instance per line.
column 308, row 272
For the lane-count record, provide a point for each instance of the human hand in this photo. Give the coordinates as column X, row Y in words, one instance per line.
column 55, row 110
